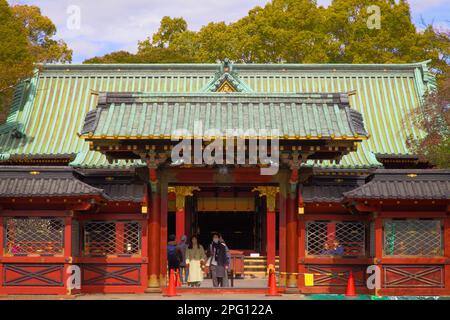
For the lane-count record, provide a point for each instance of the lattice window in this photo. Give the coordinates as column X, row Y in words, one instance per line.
column 336, row 238
column 112, row 238
column 40, row 236
column 413, row 237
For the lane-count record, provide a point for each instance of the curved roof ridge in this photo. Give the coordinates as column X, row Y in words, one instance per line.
column 137, row 66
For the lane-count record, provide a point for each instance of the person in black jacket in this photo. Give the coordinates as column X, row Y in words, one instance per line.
column 173, row 254
column 218, row 261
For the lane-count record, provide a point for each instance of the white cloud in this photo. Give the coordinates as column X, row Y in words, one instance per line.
column 120, row 24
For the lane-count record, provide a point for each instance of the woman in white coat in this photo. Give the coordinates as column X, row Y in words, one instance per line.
column 195, row 260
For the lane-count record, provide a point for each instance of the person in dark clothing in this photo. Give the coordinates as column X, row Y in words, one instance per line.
column 173, row 254
column 217, row 260
column 225, row 282
column 182, row 246
column 339, row 250
column 326, row 251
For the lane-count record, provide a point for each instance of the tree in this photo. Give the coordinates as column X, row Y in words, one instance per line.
column 122, row 56
column 433, row 118
column 16, row 61
column 26, row 39
column 41, row 31
column 169, row 28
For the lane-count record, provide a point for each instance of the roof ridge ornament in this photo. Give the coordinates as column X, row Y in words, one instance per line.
column 226, row 80
column 226, row 66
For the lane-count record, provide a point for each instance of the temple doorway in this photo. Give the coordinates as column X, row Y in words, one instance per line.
column 237, row 229
column 241, row 216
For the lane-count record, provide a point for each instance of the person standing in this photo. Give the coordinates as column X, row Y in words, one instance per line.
column 173, row 254
column 217, row 258
column 182, row 246
column 226, row 282
column 195, row 259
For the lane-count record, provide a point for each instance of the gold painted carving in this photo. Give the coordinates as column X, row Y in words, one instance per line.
column 270, row 193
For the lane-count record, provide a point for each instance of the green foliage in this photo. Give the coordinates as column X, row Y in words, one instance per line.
column 169, row 28
column 26, row 38
column 122, row 56
column 41, row 31
column 433, row 118
column 15, row 57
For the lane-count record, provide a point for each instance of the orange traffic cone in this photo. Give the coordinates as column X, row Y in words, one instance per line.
column 273, row 291
column 172, row 290
column 350, row 292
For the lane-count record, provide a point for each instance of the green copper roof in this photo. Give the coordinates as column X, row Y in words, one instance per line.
column 48, row 111
column 288, row 116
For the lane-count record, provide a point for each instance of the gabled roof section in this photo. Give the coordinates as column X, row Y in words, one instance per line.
column 290, row 116
column 49, row 109
column 29, row 182
column 226, row 80
column 428, row 184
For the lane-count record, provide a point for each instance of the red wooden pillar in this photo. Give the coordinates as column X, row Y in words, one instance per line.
column 271, row 232
column 120, row 236
column 292, row 240
column 447, row 253
column 378, row 245
column 67, row 249
column 270, row 193
column 180, row 223
column 188, row 218
column 163, row 232
column 154, row 235
column 144, row 252
column 282, row 236
column 2, row 246
column 181, row 192
column 301, row 231
column 331, row 232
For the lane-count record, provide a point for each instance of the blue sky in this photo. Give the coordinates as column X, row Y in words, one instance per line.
column 111, row 25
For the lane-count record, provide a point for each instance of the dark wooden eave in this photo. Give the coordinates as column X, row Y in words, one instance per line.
column 39, row 159
column 119, row 185
column 329, row 189
column 39, row 182
column 402, row 161
column 424, row 184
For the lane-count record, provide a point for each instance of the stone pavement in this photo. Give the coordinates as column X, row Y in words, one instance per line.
column 233, row 296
